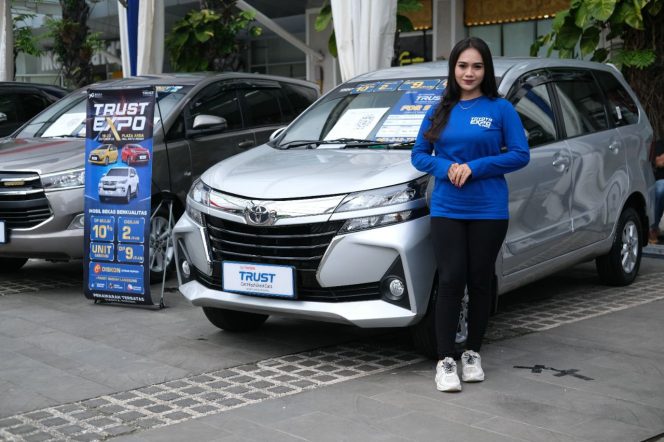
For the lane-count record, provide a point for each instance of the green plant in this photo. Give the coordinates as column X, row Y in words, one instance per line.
column 324, row 19
column 206, row 39
column 24, row 40
column 634, row 34
column 73, row 44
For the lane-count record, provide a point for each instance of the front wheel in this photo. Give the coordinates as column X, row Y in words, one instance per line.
column 620, row 266
column 234, row 321
column 161, row 244
column 423, row 333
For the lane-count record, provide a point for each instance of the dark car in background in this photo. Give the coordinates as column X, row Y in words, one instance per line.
column 21, row 101
column 200, row 119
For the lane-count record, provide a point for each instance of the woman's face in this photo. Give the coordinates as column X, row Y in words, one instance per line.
column 469, row 72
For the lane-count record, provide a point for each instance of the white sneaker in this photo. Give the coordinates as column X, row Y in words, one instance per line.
column 471, row 367
column 446, row 376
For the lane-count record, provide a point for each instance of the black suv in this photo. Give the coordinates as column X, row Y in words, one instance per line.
column 21, row 101
column 206, row 118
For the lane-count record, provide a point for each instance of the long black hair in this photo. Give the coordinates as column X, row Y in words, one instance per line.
column 452, row 92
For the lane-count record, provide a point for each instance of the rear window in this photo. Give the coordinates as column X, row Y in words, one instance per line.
column 581, row 103
column 622, row 109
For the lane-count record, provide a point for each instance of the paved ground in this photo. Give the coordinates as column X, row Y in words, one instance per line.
column 566, row 359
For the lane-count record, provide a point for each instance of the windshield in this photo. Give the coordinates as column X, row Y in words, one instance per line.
column 66, row 118
column 384, row 111
column 118, row 172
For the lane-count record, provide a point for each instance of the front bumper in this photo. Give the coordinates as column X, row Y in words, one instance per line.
column 112, row 193
column 52, row 239
column 354, row 259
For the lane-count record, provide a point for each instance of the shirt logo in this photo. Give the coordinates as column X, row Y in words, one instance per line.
column 481, row 121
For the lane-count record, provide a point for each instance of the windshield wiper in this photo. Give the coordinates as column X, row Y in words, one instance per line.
column 346, row 142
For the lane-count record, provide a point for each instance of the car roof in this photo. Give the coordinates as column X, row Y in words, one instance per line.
column 48, row 88
column 191, row 79
column 501, row 65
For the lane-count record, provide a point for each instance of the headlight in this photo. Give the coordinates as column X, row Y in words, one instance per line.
column 386, row 196
column 199, row 193
column 369, row 222
column 64, row 180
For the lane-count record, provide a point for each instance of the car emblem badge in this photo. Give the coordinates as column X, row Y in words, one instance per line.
column 259, row 215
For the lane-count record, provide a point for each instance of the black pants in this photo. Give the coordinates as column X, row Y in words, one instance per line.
column 466, row 252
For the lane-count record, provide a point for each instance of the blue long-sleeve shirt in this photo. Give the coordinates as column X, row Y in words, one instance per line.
column 475, row 133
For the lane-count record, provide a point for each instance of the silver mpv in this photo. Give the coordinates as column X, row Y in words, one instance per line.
column 329, row 220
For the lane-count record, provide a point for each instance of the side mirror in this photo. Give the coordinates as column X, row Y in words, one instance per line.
column 209, row 122
column 3, row 117
column 276, row 133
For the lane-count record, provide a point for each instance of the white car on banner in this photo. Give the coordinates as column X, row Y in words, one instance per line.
column 120, row 183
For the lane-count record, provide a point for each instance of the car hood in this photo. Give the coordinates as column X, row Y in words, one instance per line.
column 43, row 155
column 98, row 152
column 268, row 173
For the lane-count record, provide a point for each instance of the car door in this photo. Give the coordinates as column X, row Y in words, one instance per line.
column 599, row 171
column 211, row 145
column 265, row 107
column 540, row 194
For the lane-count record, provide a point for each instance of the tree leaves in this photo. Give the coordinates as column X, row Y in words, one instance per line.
column 324, row 17
column 600, row 9
column 589, row 41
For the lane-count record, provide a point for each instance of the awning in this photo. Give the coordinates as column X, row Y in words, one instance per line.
column 486, row 12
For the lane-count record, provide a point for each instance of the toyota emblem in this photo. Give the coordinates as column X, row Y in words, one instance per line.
column 259, row 215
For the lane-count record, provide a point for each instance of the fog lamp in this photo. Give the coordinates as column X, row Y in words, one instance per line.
column 186, row 271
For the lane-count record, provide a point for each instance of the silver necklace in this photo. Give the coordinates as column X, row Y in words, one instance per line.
column 466, row 108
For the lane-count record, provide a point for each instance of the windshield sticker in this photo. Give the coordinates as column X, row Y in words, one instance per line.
column 442, row 85
column 364, row 87
column 388, row 86
column 357, row 123
column 167, row 89
column 405, row 118
column 410, row 85
column 69, row 124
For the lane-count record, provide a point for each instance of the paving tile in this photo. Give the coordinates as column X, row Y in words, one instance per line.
column 524, row 431
column 608, row 430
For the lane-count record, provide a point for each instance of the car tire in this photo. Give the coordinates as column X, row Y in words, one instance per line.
column 423, row 334
column 164, row 260
column 106, row 161
column 234, row 321
column 8, row 265
column 620, row 266
column 127, row 197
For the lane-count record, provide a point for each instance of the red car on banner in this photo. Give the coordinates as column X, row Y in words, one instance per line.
column 135, row 154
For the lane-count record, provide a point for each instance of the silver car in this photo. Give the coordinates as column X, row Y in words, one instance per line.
column 329, row 220
column 200, row 119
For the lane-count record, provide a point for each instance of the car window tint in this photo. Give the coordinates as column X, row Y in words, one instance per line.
column 533, row 105
column 622, row 109
column 262, row 106
column 8, row 107
column 218, row 101
column 32, row 104
column 176, row 132
column 582, row 106
column 300, row 97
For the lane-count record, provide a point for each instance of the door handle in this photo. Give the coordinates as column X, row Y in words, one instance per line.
column 245, row 144
column 560, row 162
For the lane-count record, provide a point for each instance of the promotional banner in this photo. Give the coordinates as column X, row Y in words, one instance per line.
column 118, row 176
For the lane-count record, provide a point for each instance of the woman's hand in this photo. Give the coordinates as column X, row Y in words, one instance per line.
column 458, row 174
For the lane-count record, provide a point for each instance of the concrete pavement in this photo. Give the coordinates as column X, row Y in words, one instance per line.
column 566, row 359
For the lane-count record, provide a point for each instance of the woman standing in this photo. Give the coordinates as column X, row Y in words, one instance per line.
column 476, row 137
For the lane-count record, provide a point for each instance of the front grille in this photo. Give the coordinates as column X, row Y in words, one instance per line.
column 301, row 246
column 23, row 203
